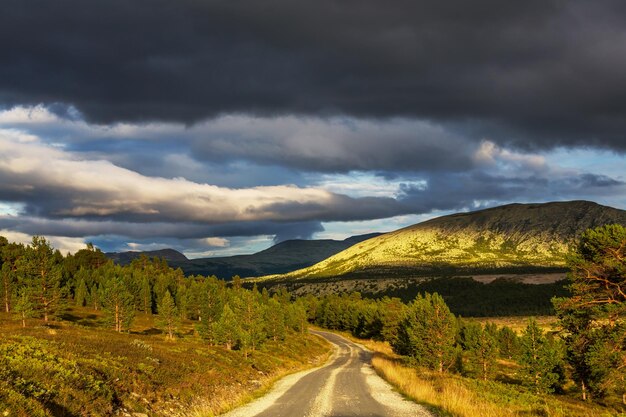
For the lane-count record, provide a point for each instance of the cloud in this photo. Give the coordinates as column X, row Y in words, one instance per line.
column 480, row 189
column 63, row 244
column 55, row 183
column 315, row 144
column 515, row 72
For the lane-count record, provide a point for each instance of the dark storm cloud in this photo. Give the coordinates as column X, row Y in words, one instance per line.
column 458, row 192
column 538, row 73
column 147, row 231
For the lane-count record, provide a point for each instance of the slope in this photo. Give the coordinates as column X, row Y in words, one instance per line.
column 514, row 237
column 280, row 258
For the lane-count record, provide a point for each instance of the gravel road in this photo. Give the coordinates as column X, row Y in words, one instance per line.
column 345, row 386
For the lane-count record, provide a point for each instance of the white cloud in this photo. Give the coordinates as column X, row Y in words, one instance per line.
column 63, row 244
column 76, row 187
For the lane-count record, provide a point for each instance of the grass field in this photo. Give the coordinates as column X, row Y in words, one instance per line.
column 74, row 367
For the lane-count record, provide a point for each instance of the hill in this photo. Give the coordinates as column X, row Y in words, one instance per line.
column 280, row 258
column 283, row 257
column 125, row 258
column 510, row 238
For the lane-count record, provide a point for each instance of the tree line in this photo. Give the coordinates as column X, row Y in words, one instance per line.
column 38, row 282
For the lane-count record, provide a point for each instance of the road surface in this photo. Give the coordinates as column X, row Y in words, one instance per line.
column 346, row 386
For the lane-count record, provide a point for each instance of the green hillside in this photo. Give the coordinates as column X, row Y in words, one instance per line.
column 515, row 237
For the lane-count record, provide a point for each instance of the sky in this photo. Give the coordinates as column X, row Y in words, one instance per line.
column 223, row 127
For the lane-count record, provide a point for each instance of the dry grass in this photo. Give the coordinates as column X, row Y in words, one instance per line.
column 454, row 395
column 458, row 396
column 518, row 324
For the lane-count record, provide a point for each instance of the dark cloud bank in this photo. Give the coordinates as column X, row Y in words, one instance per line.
column 538, row 73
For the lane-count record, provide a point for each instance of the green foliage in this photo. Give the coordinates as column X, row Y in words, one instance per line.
column 226, row 330
column 81, row 293
column 169, row 319
column 481, row 343
column 594, row 317
column 508, row 342
column 40, row 269
column 23, row 307
column 427, row 333
column 117, row 301
column 541, row 360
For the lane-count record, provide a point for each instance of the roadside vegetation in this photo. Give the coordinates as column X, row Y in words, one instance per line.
column 468, row 368
column 80, row 336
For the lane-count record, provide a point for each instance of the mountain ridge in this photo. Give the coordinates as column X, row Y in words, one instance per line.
column 283, row 257
column 513, row 236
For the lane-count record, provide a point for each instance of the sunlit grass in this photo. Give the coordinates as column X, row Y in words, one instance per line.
column 454, row 395
column 85, row 369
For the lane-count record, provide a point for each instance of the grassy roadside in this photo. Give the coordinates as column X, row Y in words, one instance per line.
column 76, row 368
column 458, row 396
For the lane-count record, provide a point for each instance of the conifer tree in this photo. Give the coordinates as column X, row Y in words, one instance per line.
column 94, row 297
column 428, row 332
column 41, row 272
column 169, row 319
column 226, row 330
column 117, row 302
column 508, row 342
column 540, row 359
column 594, row 317
column 80, row 296
column 275, row 320
column 23, row 305
column 10, row 255
column 481, row 345
column 146, row 295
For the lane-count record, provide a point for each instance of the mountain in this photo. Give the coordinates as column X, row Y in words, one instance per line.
column 280, row 258
column 513, row 238
column 283, row 257
column 124, row 258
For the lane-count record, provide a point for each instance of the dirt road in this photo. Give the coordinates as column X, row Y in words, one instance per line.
column 346, row 386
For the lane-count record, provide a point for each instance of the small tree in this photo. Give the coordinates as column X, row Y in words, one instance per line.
column 428, row 332
column 508, row 342
column 226, row 330
column 540, row 359
column 118, row 303
column 275, row 320
column 23, row 306
column 481, row 344
column 168, row 320
column 80, row 295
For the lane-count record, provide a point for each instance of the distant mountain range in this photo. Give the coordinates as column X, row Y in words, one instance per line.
column 514, row 238
column 283, row 257
column 124, row 258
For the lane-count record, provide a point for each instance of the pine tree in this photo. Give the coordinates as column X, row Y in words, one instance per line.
column 275, row 320
column 42, row 274
column 168, row 319
column 594, row 317
column 508, row 342
column 118, row 303
column 80, row 296
column 540, row 359
column 481, row 344
column 23, row 306
column 226, row 330
column 94, row 297
column 428, row 332
column 146, row 295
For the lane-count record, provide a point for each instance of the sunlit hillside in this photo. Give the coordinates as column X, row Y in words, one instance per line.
column 515, row 236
